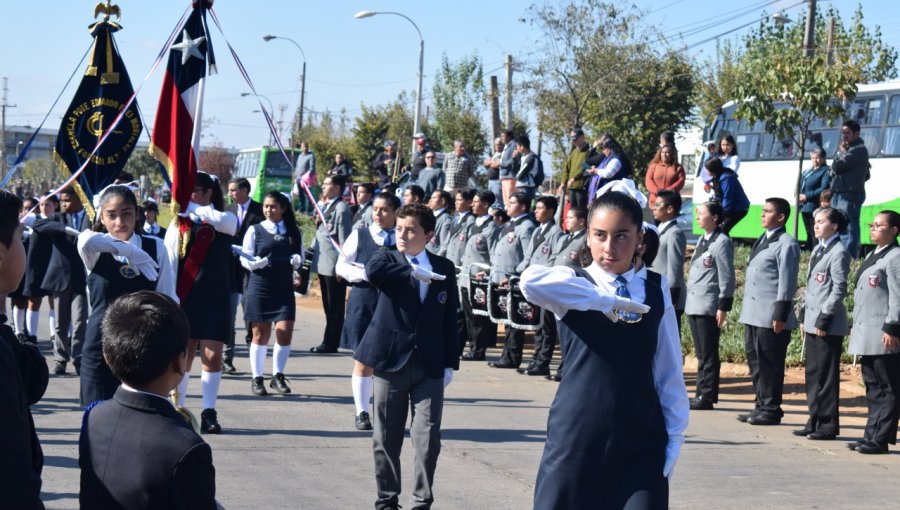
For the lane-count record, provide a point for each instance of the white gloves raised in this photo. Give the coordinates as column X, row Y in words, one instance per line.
column 258, row 263
column 137, row 259
column 609, row 304
column 296, row 260
column 72, row 232
column 424, row 275
column 448, row 376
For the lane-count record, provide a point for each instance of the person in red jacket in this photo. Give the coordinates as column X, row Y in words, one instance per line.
column 664, row 172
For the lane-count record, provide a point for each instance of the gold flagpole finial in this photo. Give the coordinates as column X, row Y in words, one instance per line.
column 108, row 9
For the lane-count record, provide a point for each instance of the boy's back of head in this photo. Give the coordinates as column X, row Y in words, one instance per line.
column 143, row 333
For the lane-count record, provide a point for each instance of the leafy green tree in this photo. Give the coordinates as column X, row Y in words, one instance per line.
column 717, row 78
column 459, row 101
column 375, row 124
column 141, row 163
column 791, row 89
column 42, row 173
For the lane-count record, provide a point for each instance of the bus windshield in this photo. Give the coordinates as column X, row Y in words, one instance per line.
column 277, row 165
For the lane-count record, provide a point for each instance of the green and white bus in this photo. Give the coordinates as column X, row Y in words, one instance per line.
column 266, row 169
column 769, row 165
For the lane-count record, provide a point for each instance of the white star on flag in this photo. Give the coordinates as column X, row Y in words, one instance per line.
column 189, row 47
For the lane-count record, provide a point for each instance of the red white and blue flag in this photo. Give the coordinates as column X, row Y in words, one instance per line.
column 175, row 140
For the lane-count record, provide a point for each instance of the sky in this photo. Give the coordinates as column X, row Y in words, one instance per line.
column 349, row 61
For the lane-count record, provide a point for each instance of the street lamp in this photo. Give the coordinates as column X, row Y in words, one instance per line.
column 268, row 38
column 271, row 108
column 369, row 14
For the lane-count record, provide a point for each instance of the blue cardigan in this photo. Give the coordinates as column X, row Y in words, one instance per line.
column 815, row 181
column 730, row 193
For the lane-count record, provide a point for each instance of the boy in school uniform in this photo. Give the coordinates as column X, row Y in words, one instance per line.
column 136, row 451
column 439, row 202
column 768, row 312
column 482, row 236
column 669, row 260
column 412, row 345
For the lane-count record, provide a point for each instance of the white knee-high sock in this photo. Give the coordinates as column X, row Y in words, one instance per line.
column 51, row 321
column 258, row 359
column 362, row 392
column 182, row 388
column 209, row 387
column 279, row 358
column 19, row 320
column 33, row 317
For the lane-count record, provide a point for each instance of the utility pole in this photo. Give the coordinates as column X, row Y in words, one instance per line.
column 809, row 41
column 302, row 97
column 509, row 91
column 830, row 43
column 3, row 106
column 495, row 108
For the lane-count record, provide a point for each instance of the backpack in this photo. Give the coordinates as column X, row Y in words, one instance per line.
column 538, row 174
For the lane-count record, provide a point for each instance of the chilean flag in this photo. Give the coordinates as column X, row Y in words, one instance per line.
column 175, row 141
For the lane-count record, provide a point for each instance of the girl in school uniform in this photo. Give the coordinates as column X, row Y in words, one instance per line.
column 17, row 297
column 710, row 295
column 40, row 248
column 360, row 245
column 203, row 284
column 875, row 335
column 277, row 244
column 824, row 322
column 617, row 423
column 118, row 262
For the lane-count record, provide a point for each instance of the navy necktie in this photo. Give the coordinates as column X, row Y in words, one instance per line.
column 388, row 238
column 622, row 291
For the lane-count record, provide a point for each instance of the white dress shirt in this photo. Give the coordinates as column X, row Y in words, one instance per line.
column 151, row 229
column 424, row 263
column 249, row 244
column 558, row 289
column 92, row 244
column 345, row 267
column 481, row 221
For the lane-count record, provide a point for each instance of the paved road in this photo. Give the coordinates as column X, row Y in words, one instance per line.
column 303, row 452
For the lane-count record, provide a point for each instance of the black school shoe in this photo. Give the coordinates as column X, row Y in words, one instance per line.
column 257, row 387
column 209, row 422
column 279, row 384
column 701, row 403
column 363, row 422
column 59, row 368
column 872, row 448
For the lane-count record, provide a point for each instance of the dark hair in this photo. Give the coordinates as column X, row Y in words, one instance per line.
column 117, row 191
column 390, row 187
column 668, row 137
column 205, row 182
column 143, row 332
column 34, row 201
column 651, row 247
column 416, row 191
column 835, row 216
column 10, row 206
column 715, row 209
column 242, row 183
column 670, row 198
column 68, row 190
column 368, row 186
column 618, row 201
column 338, row 180
column 509, row 134
column 424, row 215
column 522, row 198
column 729, row 139
column 550, row 202
column 150, row 205
column 501, row 215
column 486, row 196
column 467, row 194
column 124, row 177
column 781, row 206
column 290, row 222
column 392, row 201
column 445, row 196
column 579, row 212
column 893, row 219
column 825, row 195
column 852, row 125
column 608, row 142
column 523, row 141
column 714, row 166
column 53, row 198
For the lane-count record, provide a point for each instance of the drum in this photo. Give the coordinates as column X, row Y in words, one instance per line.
column 522, row 314
column 498, row 303
column 478, row 289
column 301, row 275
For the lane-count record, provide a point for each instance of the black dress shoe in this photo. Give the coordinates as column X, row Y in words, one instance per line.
column 59, row 368
column 555, row 377
column 209, row 422
column 821, row 436
column 762, row 419
column 529, row 367
column 473, row 356
column 501, row 364
column 31, row 340
column 323, row 349
column 744, row 417
column 257, row 387
column 22, row 337
column 228, row 368
column 802, row 432
column 279, row 384
column 363, row 422
column 538, row 370
column 701, row 404
column 872, row 448
column 853, row 445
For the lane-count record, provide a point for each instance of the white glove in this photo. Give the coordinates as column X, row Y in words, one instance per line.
column 72, row 232
column 296, row 260
column 258, row 263
column 28, row 219
column 448, row 376
column 669, row 468
column 424, row 275
column 609, row 304
column 138, row 259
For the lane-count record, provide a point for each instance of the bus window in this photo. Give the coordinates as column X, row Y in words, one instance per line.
column 745, row 127
column 894, row 112
column 277, row 166
column 867, row 111
column 777, row 149
column 826, row 139
column 872, row 137
column 891, row 141
column 747, row 146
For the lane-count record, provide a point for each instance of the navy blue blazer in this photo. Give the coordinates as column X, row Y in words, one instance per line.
column 66, row 269
column 402, row 323
column 137, row 452
column 815, row 181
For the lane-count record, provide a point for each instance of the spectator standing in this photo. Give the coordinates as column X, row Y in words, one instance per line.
column 507, row 167
column 341, row 167
column 383, row 165
column 814, row 181
column 492, row 164
column 848, row 187
column 459, row 167
column 664, row 173
column 575, row 178
column 610, row 164
column 306, row 174
column 728, row 153
column 530, row 172
column 431, row 178
column 421, row 148
column 729, row 193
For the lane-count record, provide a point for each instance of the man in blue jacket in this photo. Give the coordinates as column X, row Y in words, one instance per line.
column 848, row 188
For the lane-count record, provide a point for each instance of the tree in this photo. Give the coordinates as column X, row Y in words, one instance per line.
column 459, row 100
column 600, row 67
column 717, row 78
column 141, row 163
column 789, row 89
column 376, row 124
column 216, row 160
column 41, row 173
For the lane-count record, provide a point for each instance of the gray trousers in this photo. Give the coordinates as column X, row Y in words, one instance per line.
column 71, row 310
column 396, row 394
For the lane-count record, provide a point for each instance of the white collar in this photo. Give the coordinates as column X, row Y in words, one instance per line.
column 826, row 242
column 439, row 211
column 598, row 272
column 375, row 230
column 663, row 225
column 409, row 256
column 133, row 390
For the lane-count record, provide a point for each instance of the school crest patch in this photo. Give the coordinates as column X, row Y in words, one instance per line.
column 511, row 238
column 128, row 272
column 874, row 280
column 708, row 262
column 545, row 250
column 479, row 241
column 329, row 226
column 821, row 276
column 573, row 255
column 442, row 297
